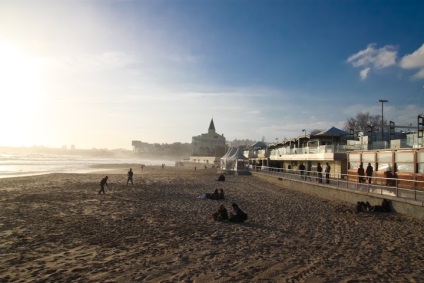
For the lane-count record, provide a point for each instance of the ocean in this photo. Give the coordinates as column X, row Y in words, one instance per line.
column 27, row 164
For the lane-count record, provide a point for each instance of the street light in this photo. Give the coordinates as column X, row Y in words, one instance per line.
column 422, row 88
column 370, row 129
column 304, row 132
column 382, row 117
column 298, row 141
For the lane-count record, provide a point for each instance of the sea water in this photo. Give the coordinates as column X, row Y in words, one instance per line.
column 27, row 164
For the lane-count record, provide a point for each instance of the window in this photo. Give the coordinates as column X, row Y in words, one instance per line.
column 405, row 167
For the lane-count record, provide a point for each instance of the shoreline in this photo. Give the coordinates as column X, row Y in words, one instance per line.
column 31, row 165
column 57, row 228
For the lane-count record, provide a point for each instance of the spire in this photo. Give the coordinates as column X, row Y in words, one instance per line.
column 211, row 127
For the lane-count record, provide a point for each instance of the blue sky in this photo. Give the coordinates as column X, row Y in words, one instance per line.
column 101, row 73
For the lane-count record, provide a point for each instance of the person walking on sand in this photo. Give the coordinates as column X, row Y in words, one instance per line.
column 130, row 177
column 369, row 172
column 103, row 183
column 327, row 173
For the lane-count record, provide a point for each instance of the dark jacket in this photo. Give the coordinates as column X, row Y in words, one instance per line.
column 238, row 216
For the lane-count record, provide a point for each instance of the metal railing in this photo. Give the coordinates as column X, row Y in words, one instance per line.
column 395, row 187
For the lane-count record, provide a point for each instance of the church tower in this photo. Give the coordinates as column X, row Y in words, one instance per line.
column 211, row 129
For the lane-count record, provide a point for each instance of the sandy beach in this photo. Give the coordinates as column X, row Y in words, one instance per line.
column 57, row 228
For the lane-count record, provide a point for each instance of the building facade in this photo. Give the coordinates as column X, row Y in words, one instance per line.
column 208, row 147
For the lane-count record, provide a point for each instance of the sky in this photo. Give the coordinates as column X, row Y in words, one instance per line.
column 101, row 73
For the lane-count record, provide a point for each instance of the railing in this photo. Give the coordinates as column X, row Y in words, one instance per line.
column 393, row 188
column 309, row 150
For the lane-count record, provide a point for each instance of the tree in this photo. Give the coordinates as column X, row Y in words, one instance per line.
column 315, row 131
column 364, row 122
column 241, row 143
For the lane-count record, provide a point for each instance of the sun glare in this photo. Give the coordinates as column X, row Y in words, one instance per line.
column 20, row 89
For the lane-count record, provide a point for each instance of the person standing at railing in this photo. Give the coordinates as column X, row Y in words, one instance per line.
column 369, row 172
column 302, row 171
column 327, row 173
column 319, row 170
column 308, row 172
column 361, row 173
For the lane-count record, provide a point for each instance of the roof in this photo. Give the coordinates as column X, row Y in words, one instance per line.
column 234, row 153
column 259, row 144
column 333, row 131
column 211, row 125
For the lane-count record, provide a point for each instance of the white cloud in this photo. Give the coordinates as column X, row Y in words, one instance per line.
column 414, row 61
column 419, row 75
column 94, row 62
column 373, row 58
column 364, row 73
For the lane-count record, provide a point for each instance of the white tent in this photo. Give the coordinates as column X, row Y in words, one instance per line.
column 234, row 160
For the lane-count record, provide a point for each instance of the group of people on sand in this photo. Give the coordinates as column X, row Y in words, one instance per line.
column 103, row 182
column 367, row 207
column 215, row 195
column 237, row 215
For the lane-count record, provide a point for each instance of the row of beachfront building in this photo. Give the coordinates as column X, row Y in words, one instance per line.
column 403, row 156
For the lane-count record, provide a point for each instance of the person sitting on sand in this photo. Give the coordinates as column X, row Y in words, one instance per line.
column 384, row 207
column 221, row 178
column 103, row 182
column 130, row 177
column 215, row 195
column 221, row 214
column 238, row 215
column 366, row 206
column 221, row 194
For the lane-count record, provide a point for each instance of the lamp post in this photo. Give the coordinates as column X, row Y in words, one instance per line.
column 370, row 129
column 423, row 89
column 304, row 131
column 382, row 117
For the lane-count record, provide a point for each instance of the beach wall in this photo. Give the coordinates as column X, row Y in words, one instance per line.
column 399, row 205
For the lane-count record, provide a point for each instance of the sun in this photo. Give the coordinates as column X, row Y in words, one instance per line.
column 19, row 74
column 20, row 88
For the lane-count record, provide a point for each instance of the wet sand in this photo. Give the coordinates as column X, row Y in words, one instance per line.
column 56, row 228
